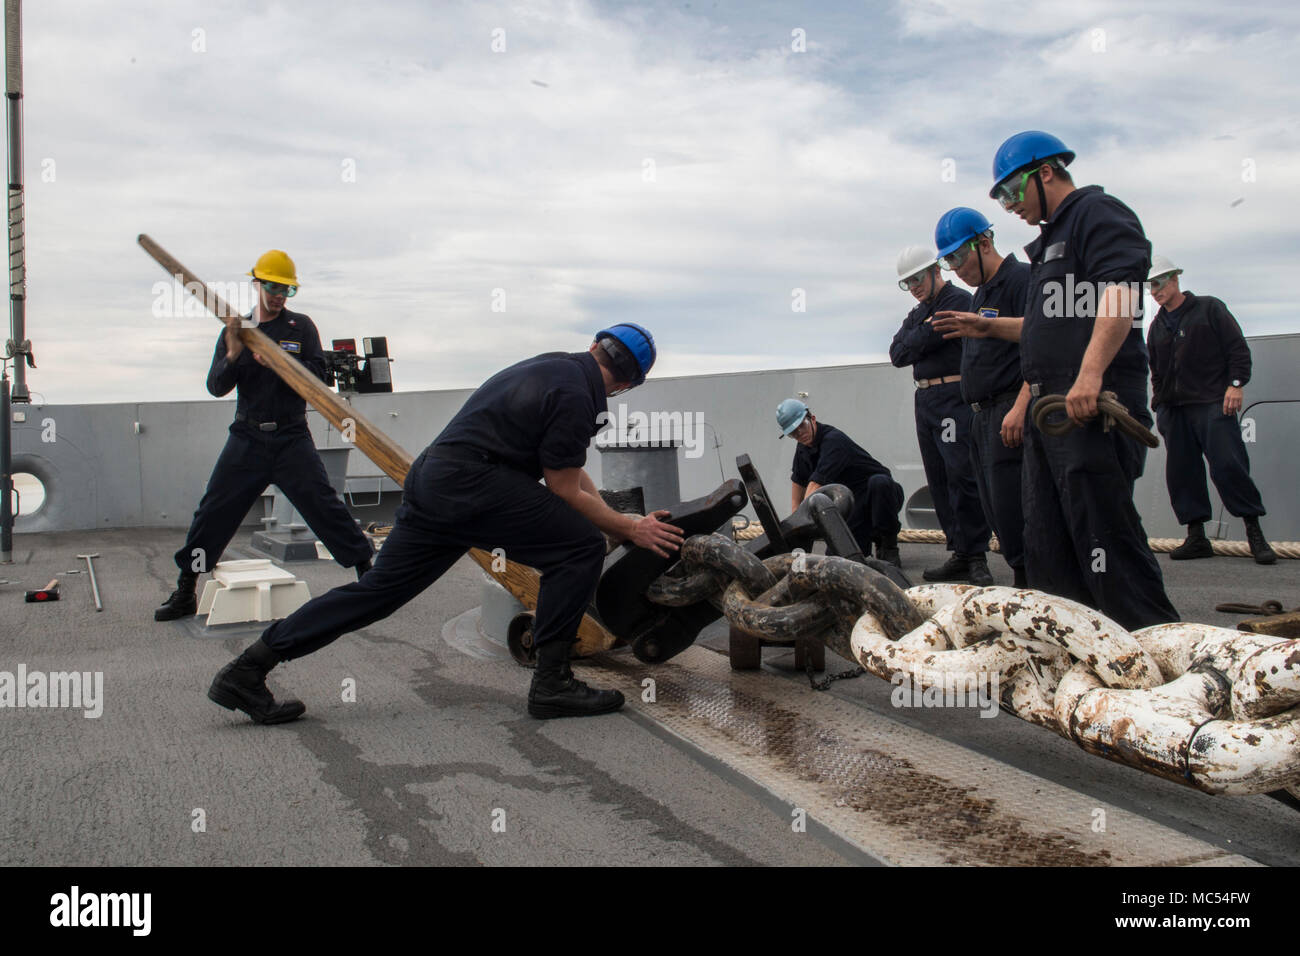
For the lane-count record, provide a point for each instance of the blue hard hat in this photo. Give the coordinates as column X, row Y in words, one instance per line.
column 638, row 341
column 790, row 415
column 957, row 226
column 1025, row 149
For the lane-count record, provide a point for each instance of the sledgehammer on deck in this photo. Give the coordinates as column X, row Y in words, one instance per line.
column 48, row 593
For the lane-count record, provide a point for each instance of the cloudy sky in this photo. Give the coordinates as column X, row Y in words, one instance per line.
column 687, row 166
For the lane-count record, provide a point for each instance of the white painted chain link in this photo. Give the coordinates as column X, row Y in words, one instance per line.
column 1212, row 708
column 1206, row 706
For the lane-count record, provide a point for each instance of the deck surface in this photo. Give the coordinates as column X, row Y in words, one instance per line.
column 437, row 762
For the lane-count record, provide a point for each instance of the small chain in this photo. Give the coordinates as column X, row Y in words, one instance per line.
column 825, row 683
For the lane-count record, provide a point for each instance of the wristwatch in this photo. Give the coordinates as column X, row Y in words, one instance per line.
column 1236, row 383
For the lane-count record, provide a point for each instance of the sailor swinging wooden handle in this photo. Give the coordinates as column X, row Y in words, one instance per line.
column 392, row 458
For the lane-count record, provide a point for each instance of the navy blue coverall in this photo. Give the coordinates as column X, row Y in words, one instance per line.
column 1197, row 351
column 990, row 384
column 835, row 458
column 477, row 486
column 269, row 443
column 1084, row 539
column 943, row 421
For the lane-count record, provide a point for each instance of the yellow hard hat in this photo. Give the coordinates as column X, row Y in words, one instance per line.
column 275, row 266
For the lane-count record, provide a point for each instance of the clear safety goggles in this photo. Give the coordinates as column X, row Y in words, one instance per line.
column 911, row 282
column 279, row 288
column 954, row 260
column 1009, row 192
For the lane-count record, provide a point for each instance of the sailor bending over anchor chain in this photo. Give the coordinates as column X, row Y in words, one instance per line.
column 477, row 486
column 827, row 456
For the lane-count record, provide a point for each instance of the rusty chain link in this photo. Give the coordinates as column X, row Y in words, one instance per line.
column 1212, row 708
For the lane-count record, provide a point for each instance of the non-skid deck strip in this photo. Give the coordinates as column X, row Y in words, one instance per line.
column 900, row 794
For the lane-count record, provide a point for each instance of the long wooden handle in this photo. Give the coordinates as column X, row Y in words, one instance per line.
column 521, row 581
column 392, row 458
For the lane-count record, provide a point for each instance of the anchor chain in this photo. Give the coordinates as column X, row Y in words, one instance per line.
column 1211, row 708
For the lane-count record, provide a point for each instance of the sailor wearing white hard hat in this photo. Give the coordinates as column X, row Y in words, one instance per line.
column 942, row 418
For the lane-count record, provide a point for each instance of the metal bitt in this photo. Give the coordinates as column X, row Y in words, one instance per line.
column 17, row 347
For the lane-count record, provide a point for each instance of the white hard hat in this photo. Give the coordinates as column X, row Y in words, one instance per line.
column 914, row 259
column 1160, row 265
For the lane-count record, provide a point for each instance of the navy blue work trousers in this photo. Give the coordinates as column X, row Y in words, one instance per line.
column 943, row 432
column 1195, row 434
column 997, row 475
column 1084, row 539
column 450, row 506
column 251, row 460
column 875, row 513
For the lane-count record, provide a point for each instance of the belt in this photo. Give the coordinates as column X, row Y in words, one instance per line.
column 988, row 403
column 941, row 380
column 270, row 426
column 463, row 453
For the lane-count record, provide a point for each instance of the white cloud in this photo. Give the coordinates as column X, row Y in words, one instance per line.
column 772, row 170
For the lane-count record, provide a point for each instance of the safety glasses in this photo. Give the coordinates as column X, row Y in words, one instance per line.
column 1155, row 284
column 953, row 260
column 911, row 282
column 279, row 288
column 1009, row 192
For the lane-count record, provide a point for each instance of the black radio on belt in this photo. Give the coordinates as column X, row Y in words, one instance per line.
column 352, row 373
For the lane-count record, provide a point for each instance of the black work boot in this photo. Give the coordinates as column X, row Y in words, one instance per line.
column 241, row 685
column 555, row 692
column 1196, row 545
column 979, row 575
column 887, row 550
column 1258, row 543
column 956, row 568
column 181, row 602
column 362, row 568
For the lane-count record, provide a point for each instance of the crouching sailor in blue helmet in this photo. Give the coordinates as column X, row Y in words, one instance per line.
column 1200, row 364
column 942, row 418
column 991, row 383
column 1082, row 333
column 268, row 443
column 828, row 456
column 477, row 486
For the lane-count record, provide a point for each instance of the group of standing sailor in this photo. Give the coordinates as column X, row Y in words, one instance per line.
column 1069, row 322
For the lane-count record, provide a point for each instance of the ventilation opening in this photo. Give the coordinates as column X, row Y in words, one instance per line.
column 29, row 494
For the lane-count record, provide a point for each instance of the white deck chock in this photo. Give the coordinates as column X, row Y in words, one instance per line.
column 253, row 590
